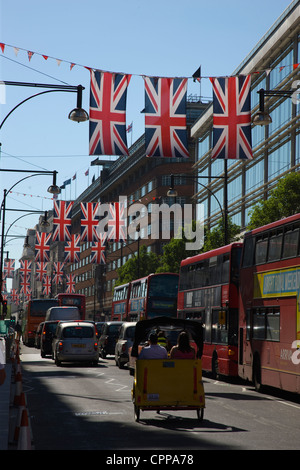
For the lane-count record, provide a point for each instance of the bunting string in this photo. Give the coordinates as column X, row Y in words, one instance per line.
column 196, row 76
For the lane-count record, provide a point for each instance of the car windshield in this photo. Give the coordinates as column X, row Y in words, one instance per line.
column 78, row 332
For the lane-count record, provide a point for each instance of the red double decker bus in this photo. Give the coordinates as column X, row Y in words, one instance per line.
column 209, row 292
column 119, row 309
column 269, row 306
column 74, row 300
column 152, row 296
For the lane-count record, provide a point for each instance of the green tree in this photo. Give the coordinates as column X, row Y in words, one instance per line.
column 284, row 200
column 215, row 238
column 137, row 266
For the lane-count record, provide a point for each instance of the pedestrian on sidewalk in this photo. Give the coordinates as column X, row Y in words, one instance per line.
column 2, row 361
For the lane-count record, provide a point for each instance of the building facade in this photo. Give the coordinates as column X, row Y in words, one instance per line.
column 273, row 65
column 140, row 180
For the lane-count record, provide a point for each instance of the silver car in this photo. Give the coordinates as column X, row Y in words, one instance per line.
column 75, row 341
column 124, row 342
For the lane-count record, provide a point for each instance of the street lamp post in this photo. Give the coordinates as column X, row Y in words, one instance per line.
column 53, row 189
column 173, row 193
column 78, row 115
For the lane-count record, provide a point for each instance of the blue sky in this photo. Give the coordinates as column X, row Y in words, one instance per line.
column 161, row 37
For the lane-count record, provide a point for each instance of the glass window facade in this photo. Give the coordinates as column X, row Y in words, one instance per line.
column 276, row 147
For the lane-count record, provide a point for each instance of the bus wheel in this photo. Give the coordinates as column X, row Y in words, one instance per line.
column 136, row 413
column 257, row 374
column 215, row 366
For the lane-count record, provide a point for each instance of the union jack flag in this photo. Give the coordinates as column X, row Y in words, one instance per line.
column 98, row 250
column 232, row 117
column 70, row 284
column 42, row 246
column 40, row 270
column 14, row 295
column 58, row 270
column 89, row 221
column 72, row 250
column 25, row 285
column 46, row 285
column 62, row 220
column 107, row 123
column 25, row 267
column 165, row 117
column 116, row 222
column 9, row 268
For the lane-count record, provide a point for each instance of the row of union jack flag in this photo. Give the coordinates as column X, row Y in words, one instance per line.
column 90, row 218
column 165, row 116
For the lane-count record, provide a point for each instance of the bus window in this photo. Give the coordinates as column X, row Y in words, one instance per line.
column 290, row 243
column 259, row 323
column 219, row 326
column 248, row 251
column 275, row 243
column 225, row 268
column 261, row 249
column 273, row 324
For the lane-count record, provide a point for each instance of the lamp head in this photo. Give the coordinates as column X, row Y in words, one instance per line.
column 54, row 189
column 261, row 118
column 79, row 114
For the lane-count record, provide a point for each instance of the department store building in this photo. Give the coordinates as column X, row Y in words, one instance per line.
column 276, row 147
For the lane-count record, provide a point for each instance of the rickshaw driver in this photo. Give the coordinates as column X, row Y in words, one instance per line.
column 154, row 350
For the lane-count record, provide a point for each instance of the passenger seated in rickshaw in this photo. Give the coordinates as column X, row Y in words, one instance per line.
column 154, row 350
column 183, row 350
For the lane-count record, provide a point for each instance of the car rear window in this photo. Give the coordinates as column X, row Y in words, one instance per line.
column 78, row 332
column 130, row 332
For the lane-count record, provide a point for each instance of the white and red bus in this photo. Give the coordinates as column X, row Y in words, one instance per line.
column 209, row 292
column 152, row 296
column 74, row 300
column 269, row 306
column 119, row 310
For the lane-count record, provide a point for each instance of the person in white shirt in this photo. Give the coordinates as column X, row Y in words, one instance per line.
column 2, row 362
column 154, row 350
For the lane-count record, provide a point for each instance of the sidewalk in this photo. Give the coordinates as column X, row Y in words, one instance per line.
column 5, row 394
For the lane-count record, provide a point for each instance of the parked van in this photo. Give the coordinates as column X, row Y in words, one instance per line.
column 74, row 342
column 62, row 313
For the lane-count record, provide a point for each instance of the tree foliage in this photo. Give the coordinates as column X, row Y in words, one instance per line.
column 283, row 201
column 137, row 266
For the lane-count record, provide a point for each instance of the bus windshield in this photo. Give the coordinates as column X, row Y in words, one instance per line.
column 38, row 308
column 166, row 287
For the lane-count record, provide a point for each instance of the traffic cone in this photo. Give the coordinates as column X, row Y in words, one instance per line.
column 18, row 388
column 24, row 441
column 19, row 417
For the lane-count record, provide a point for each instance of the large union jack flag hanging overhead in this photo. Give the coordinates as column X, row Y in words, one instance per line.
column 165, row 117
column 62, row 218
column 72, row 250
column 70, row 282
column 9, row 267
column 89, row 221
column 107, row 123
column 25, row 267
column 232, row 117
column 42, row 246
column 98, row 250
column 40, row 271
column 116, row 222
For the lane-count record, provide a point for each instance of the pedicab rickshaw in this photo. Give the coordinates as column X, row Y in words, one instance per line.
column 168, row 384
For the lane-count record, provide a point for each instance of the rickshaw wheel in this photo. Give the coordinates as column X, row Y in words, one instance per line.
column 136, row 413
column 200, row 413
